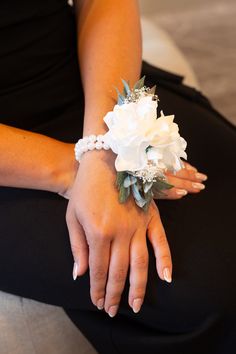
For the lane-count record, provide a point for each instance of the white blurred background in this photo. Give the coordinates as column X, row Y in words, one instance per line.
column 205, row 32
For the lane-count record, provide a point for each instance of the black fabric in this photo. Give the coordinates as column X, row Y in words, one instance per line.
column 42, row 92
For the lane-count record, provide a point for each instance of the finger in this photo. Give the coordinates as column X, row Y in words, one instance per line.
column 78, row 243
column 99, row 255
column 118, row 268
column 173, row 193
column 189, row 167
column 189, row 186
column 189, row 174
column 157, row 236
column 138, row 270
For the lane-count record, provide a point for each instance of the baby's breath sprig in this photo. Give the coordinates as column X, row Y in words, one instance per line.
column 133, row 95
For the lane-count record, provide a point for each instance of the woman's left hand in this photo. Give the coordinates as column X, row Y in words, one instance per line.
column 187, row 180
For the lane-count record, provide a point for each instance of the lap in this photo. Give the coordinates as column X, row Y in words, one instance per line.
column 36, row 260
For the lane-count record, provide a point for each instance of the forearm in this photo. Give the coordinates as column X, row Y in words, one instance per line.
column 109, row 49
column 31, row 160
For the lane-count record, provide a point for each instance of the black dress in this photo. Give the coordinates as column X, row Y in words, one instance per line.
column 40, row 90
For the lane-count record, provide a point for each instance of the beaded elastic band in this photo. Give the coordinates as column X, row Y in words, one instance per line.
column 89, row 143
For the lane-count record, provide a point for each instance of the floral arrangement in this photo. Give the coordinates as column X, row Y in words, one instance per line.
column 146, row 145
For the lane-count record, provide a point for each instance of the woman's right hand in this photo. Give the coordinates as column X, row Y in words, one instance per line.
column 109, row 237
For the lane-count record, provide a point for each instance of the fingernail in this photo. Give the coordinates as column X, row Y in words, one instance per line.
column 201, row 176
column 191, row 168
column 75, row 271
column 112, row 311
column 137, row 303
column 100, row 304
column 198, row 185
column 167, row 275
column 181, row 192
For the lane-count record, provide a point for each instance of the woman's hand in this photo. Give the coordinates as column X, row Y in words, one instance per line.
column 187, row 180
column 110, row 237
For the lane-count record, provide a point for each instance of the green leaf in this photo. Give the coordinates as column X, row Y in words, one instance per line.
column 127, row 90
column 121, row 99
column 160, row 185
column 120, row 177
column 139, row 200
column 124, row 194
column 159, row 194
column 148, row 198
column 147, row 186
column 153, row 90
column 139, row 83
column 129, row 180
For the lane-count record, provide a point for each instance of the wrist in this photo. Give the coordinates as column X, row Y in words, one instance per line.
column 105, row 156
column 62, row 172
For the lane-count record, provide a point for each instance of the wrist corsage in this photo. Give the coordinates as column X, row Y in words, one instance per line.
column 146, row 146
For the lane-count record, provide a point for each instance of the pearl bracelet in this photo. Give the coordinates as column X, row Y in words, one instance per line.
column 89, row 143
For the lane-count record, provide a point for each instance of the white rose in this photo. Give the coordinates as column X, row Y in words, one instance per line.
column 133, row 127
column 167, row 145
column 130, row 128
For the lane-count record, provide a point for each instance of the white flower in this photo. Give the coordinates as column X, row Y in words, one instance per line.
column 133, row 127
column 130, row 126
column 167, row 146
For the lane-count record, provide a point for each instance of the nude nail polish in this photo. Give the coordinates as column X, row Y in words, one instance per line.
column 201, row 176
column 75, row 271
column 113, row 310
column 198, row 185
column 100, row 304
column 181, row 192
column 167, row 275
column 137, row 303
column 191, row 168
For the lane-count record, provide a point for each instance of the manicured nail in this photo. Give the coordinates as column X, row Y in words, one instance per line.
column 137, row 303
column 191, row 168
column 201, row 176
column 181, row 192
column 113, row 311
column 167, row 275
column 75, row 271
column 198, row 185
column 100, row 304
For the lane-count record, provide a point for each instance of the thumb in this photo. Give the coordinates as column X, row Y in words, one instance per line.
column 78, row 243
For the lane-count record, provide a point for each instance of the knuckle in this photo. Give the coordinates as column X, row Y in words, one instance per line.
column 77, row 249
column 162, row 241
column 140, row 262
column 119, row 276
column 98, row 236
column 98, row 273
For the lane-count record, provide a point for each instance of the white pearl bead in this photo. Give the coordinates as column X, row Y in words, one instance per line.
column 106, row 146
column 91, row 146
column 90, row 142
column 92, row 138
column 84, row 148
column 100, row 137
column 98, row 145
